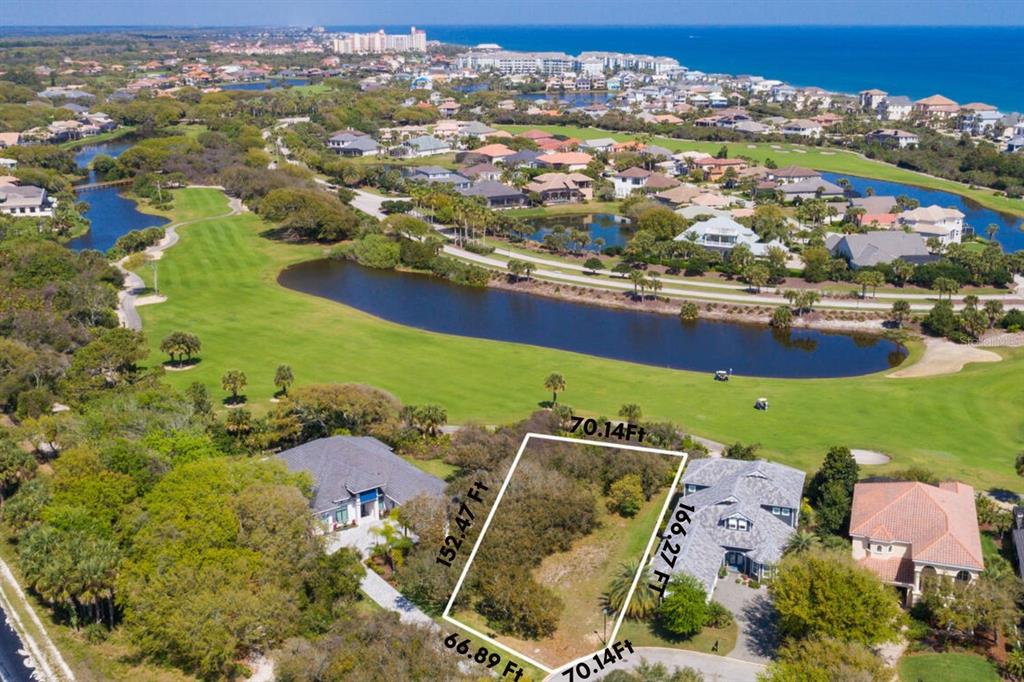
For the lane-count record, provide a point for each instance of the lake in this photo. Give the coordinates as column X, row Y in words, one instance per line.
column 110, row 214
column 12, row 661
column 271, row 84
column 433, row 304
column 977, row 216
column 613, row 229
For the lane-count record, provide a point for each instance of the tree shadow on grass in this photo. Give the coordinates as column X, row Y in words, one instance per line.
column 181, row 365
column 235, row 402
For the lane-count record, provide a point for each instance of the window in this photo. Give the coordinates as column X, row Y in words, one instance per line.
column 730, row 524
column 785, row 511
column 341, row 515
column 963, row 576
column 741, row 524
column 776, row 511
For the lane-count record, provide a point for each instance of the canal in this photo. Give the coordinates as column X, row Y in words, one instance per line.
column 1010, row 235
column 433, row 304
column 110, row 214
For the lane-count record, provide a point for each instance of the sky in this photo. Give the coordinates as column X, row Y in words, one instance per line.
column 508, row 12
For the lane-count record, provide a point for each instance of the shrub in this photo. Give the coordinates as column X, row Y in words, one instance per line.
column 685, row 610
column 480, row 249
column 718, row 615
column 688, row 312
column 782, row 317
column 376, row 251
column 625, row 495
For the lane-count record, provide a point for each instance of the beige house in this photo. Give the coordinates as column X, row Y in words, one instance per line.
column 945, row 224
column 562, row 188
column 906, row 532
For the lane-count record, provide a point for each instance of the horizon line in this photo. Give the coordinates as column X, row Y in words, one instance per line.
column 536, row 25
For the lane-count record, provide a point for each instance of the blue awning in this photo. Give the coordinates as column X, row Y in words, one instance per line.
column 368, row 496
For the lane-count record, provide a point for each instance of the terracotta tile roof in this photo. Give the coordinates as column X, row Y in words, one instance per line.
column 895, row 570
column 565, row 159
column 940, row 523
column 494, row 151
column 535, row 134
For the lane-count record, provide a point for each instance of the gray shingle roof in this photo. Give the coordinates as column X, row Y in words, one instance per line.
column 883, row 246
column 343, row 466
column 734, row 487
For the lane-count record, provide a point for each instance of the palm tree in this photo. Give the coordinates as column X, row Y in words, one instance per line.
column 638, row 278
column 802, row 541
column 283, row 378
column 554, row 383
column 394, row 546
column 630, row 412
column 946, row 285
column 644, row 600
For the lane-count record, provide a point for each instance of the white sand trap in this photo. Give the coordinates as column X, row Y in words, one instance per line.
column 828, row 153
column 149, row 300
column 799, row 151
column 944, row 357
column 751, row 146
column 782, row 151
column 775, row 146
column 869, row 457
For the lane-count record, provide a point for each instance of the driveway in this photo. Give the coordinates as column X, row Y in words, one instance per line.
column 755, row 617
column 715, row 668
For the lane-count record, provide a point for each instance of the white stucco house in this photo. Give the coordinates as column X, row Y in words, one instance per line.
column 945, row 224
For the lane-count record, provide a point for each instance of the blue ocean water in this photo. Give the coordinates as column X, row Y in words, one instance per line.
column 968, row 64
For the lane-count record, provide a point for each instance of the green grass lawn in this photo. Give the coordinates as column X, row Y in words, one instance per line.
column 819, row 158
column 946, row 668
column 221, row 283
column 646, row 633
column 434, row 467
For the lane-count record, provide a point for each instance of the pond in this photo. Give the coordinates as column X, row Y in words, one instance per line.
column 1010, row 235
column 271, row 84
column 570, row 99
column 110, row 214
column 430, row 303
column 13, row 666
column 613, row 229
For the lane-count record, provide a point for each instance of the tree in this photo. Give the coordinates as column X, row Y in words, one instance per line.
column 756, row 275
column 940, row 320
column 394, row 545
column 826, row 660
column 16, row 465
column 973, row 322
column 593, row 264
column 947, row 286
column 626, row 495
column 429, row 418
column 198, row 395
column 180, row 344
column 233, row 381
column 644, row 601
column 900, row 311
column 639, row 280
column 742, row 452
column 901, row 271
column 994, row 311
column 554, row 383
column 831, row 489
column 869, row 278
column 283, row 378
column 1019, row 463
column 802, row 541
column 684, row 610
column 825, row 594
column 688, row 311
column 238, row 422
column 631, row 412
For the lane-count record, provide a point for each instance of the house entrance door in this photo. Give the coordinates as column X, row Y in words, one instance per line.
column 734, row 560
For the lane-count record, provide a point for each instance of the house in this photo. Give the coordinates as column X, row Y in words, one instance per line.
column 523, row 159
column 878, row 210
column 25, row 201
column 562, row 188
column 722, row 234
column 879, row 246
column 802, row 127
column 945, row 224
column 811, row 188
column 1017, row 531
column 565, row 161
column 430, row 174
column 8, row 164
column 10, row 139
column 892, row 137
column 936, row 106
column 598, row 144
column 424, row 145
column 495, row 194
column 357, row 479
column 871, row 99
column 715, row 169
column 352, row 143
column 481, row 171
column 489, row 153
column 630, row 180
column 792, row 174
column 896, row 108
column 906, row 532
column 679, row 195
column 744, row 514
column 476, row 129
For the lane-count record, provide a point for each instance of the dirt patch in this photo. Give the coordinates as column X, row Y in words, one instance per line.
column 870, row 457
column 944, row 357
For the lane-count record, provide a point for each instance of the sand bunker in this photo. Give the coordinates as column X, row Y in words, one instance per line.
column 944, row 357
column 869, row 457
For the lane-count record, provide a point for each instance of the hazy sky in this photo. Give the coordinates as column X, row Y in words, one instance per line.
column 520, row 12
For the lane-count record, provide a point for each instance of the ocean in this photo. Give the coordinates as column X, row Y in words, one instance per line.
column 967, row 64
